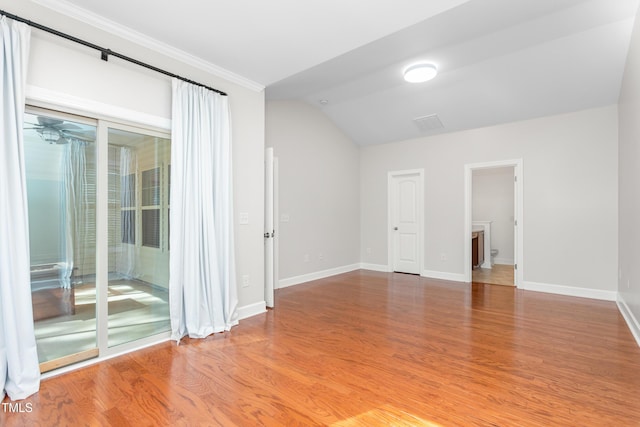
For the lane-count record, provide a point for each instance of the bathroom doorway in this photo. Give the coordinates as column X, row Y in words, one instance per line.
column 493, row 219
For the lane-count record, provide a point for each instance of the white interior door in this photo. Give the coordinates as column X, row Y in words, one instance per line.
column 406, row 213
column 269, row 229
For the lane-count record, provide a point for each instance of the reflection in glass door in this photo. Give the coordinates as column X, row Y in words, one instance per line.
column 138, row 299
column 60, row 164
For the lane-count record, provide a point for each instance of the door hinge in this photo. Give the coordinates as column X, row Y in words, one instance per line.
column 515, row 266
column 515, row 178
column 515, row 222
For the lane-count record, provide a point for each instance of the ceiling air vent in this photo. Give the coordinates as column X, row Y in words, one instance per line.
column 427, row 123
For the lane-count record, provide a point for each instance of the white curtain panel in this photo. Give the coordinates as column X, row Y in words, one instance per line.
column 127, row 252
column 202, row 287
column 19, row 370
column 74, row 198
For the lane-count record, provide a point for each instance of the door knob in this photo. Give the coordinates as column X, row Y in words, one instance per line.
column 395, row 228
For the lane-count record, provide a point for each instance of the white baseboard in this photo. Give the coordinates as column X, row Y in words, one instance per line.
column 569, row 291
column 632, row 321
column 503, row 261
column 291, row 281
column 251, row 310
column 443, row 275
column 375, row 267
column 454, row 277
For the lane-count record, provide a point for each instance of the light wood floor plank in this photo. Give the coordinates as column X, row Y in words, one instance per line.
column 367, row 348
column 498, row 274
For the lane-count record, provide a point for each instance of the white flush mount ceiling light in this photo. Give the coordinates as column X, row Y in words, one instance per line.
column 418, row 73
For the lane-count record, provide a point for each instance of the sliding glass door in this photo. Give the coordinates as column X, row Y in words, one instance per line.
column 97, row 284
column 60, row 164
column 138, row 235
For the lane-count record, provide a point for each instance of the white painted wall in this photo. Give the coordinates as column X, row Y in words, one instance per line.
column 570, row 196
column 319, row 190
column 493, row 201
column 629, row 182
column 72, row 74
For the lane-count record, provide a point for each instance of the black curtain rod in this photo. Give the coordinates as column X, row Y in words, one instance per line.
column 105, row 53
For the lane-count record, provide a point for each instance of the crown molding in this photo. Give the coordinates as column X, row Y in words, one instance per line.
column 97, row 21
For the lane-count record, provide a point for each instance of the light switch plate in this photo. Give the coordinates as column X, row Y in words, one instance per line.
column 244, row 217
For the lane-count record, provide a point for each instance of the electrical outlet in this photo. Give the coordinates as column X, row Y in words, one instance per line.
column 443, row 257
column 245, row 281
column 368, row 251
column 306, row 257
column 244, row 218
column 321, row 256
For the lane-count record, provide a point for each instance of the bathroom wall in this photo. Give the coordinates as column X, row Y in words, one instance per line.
column 493, row 201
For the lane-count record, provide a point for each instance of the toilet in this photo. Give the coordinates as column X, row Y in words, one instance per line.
column 494, row 252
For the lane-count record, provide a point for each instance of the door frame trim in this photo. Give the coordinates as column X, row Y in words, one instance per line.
column 270, row 205
column 518, row 205
column 390, row 177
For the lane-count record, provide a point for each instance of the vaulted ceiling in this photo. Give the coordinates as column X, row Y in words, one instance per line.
column 498, row 60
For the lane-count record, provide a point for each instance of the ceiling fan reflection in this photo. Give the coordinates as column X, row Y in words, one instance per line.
column 56, row 131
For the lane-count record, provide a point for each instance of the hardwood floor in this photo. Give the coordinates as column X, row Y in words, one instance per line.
column 499, row 274
column 367, row 348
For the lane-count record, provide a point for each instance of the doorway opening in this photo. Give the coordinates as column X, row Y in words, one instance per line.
column 492, row 232
column 493, row 222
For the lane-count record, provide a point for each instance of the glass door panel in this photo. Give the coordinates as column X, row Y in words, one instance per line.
column 138, row 298
column 60, row 164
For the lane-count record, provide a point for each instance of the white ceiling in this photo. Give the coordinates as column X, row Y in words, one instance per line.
column 262, row 40
column 499, row 60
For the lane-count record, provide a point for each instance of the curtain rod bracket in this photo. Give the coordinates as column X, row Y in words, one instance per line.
column 104, row 54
